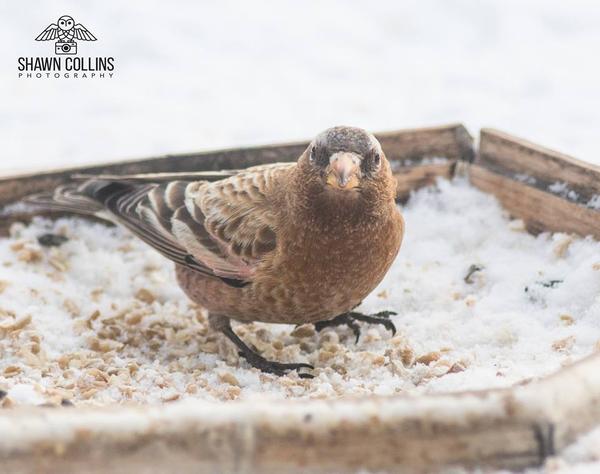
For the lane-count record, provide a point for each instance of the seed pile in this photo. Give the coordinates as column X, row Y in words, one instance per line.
column 90, row 315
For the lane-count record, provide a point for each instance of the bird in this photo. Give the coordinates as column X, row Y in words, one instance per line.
column 287, row 243
column 66, row 30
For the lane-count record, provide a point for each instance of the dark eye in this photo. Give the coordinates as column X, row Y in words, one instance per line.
column 318, row 156
column 371, row 163
column 313, row 154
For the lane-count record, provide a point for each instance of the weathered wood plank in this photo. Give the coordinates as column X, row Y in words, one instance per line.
column 540, row 210
column 404, row 148
column 418, row 156
column 414, row 177
column 547, row 189
column 539, row 167
column 452, row 142
column 501, row 428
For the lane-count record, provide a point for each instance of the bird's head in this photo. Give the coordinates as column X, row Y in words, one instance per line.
column 66, row 22
column 347, row 162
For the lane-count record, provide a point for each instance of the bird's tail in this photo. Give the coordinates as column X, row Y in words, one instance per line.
column 73, row 198
column 98, row 195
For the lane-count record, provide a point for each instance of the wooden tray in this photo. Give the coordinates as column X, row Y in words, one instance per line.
column 511, row 428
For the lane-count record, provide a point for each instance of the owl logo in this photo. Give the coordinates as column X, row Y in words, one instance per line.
column 65, row 32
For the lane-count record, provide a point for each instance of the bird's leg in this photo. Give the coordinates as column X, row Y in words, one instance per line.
column 222, row 324
column 349, row 319
column 343, row 319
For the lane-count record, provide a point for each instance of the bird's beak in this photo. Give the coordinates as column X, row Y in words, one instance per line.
column 344, row 170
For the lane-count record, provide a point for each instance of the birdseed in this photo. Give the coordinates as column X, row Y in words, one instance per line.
column 100, row 319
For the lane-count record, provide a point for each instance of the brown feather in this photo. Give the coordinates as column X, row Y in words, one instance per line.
column 331, row 250
column 272, row 243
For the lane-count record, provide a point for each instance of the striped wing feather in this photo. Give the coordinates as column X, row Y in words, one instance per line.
column 221, row 228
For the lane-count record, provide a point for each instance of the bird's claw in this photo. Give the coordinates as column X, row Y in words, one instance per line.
column 342, row 320
column 258, row 361
column 379, row 318
column 349, row 319
column 385, row 314
column 276, row 368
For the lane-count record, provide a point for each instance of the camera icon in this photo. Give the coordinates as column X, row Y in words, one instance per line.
column 65, row 48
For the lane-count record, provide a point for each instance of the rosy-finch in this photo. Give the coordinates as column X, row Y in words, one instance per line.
column 295, row 243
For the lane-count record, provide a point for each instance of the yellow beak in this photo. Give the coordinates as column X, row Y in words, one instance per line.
column 344, row 170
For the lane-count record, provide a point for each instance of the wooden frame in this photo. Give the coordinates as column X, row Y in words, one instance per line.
column 501, row 428
column 548, row 190
column 513, row 428
column 417, row 156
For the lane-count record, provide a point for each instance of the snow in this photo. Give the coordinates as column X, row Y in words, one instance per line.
column 199, row 75
column 562, row 189
column 594, row 202
column 100, row 319
column 24, row 393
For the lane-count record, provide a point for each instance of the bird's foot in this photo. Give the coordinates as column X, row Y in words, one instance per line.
column 350, row 319
column 272, row 367
column 258, row 361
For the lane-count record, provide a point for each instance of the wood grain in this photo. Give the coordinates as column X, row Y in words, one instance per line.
column 550, row 191
column 415, row 145
column 451, row 141
column 411, row 178
column 510, row 428
column 541, row 211
column 539, row 167
column 417, row 157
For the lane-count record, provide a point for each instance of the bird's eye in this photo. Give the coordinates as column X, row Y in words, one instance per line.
column 318, row 156
column 371, row 163
column 313, row 154
column 376, row 159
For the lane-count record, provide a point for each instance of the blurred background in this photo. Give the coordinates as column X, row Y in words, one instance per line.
column 196, row 75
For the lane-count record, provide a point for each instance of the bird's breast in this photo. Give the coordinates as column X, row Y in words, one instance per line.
column 326, row 273
column 312, row 275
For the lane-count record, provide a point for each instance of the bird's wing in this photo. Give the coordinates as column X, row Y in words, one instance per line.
column 239, row 213
column 163, row 177
column 221, row 229
column 50, row 33
column 82, row 33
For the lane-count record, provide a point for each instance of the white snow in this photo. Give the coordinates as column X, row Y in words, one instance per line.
column 562, row 189
column 103, row 321
column 24, row 393
column 594, row 202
